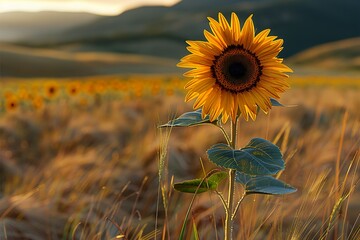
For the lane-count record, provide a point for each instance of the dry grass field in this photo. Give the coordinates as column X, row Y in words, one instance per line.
column 84, row 159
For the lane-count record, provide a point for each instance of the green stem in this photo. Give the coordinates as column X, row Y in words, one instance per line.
column 230, row 202
column 230, row 199
column 238, row 205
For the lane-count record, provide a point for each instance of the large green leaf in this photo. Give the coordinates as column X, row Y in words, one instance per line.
column 258, row 157
column 263, row 185
column 199, row 186
column 189, row 119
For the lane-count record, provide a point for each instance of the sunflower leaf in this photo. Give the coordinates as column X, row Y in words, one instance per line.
column 199, row 186
column 276, row 103
column 258, row 157
column 263, row 185
column 189, row 119
column 242, row 178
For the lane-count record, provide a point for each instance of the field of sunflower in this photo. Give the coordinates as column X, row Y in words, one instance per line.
column 80, row 159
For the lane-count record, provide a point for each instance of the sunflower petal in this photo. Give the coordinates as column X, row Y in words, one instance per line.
column 248, row 33
column 190, row 96
column 217, row 43
column 226, row 29
column 219, row 32
column 235, row 28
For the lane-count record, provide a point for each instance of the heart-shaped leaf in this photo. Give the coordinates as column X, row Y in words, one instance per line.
column 258, row 157
column 189, row 119
column 263, row 185
column 199, row 186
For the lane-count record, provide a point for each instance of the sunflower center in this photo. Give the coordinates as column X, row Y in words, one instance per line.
column 236, row 69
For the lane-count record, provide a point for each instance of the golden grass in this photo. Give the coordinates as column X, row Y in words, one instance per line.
column 93, row 165
column 338, row 81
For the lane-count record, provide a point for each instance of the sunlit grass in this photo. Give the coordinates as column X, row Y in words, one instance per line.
column 341, row 81
column 86, row 164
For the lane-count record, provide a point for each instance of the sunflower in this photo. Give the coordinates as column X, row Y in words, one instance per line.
column 234, row 72
column 73, row 88
column 51, row 89
column 12, row 104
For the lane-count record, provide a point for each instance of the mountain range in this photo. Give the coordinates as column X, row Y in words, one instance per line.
column 161, row 32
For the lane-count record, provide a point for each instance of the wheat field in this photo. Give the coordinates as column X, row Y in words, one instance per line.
column 84, row 159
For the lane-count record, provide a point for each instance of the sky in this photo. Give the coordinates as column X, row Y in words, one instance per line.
column 102, row 7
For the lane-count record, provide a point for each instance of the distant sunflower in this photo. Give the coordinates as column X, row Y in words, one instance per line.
column 12, row 104
column 234, row 71
column 73, row 88
column 51, row 89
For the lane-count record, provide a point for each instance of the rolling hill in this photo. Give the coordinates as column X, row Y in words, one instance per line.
column 335, row 57
column 341, row 55
column 25, row 26
column 25, row 62
column 152, row 39
column 161, row 31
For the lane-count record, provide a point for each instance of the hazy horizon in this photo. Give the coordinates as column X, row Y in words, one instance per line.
column 105, row 7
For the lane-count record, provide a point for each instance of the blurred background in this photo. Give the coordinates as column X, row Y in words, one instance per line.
column 84, row 38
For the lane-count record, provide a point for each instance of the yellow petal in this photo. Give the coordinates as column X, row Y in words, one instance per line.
column 200, row 101
column 200, row 85
column 205, row 47
column 214, row 40
column 218, row 32
column 241, row 104
column 235, row 28
column 226, row 29
column 202, row 71
column 190, row 96
column 248, row 33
